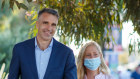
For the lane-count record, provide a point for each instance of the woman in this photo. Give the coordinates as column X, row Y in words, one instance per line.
column 90, row 63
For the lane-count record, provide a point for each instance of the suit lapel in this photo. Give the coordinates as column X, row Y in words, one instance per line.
column 32, row 58
column 52, row 58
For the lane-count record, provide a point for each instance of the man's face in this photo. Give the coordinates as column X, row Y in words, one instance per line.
column 46, row 26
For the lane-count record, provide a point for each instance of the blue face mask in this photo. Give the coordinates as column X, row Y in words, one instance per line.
column 93, row 63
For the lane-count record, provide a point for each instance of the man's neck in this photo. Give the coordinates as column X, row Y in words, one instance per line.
column 43, row 44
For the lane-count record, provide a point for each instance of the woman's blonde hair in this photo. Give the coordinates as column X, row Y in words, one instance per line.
column 80, row 61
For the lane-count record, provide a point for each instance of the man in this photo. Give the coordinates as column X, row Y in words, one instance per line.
column 43, row 57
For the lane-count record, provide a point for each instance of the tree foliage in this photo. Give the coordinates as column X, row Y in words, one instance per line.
column 85, row 19
column 13, row 28
column 132, row 12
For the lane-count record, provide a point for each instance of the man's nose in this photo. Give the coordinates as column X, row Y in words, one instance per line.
column 48, row 27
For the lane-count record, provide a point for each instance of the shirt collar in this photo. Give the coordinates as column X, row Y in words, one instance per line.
column 50, row 45
column 100, row 74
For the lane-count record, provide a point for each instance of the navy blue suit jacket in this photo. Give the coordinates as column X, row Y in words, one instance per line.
column 61, row 64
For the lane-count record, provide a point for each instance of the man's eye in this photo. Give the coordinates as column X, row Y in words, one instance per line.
column 45, row 22
column 53, row 24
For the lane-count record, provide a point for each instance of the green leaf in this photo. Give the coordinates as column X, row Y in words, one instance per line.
column 11, row 4
column 27, row 18
column 18, row 5
column 3, row 3
column 35, row 16
column 29, row 0
column 138, row 47
column 33, row 23
column 130, row 49
column 23, row 6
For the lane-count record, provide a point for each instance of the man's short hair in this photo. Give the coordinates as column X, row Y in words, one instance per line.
column 48, row 10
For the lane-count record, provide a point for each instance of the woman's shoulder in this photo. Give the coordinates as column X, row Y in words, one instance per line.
column 101, row 76
column 106, row 76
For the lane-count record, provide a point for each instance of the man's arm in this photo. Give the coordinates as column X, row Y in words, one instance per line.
column 70, row 68
column 14, row 65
